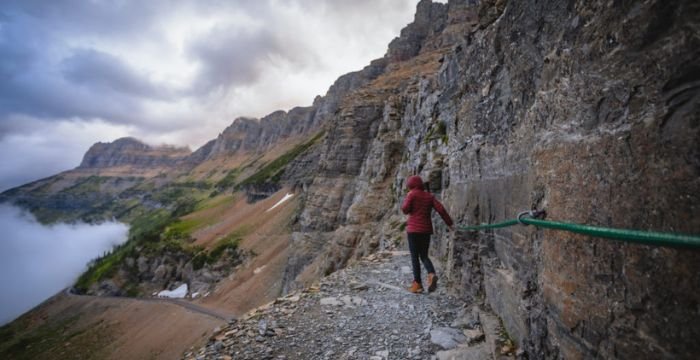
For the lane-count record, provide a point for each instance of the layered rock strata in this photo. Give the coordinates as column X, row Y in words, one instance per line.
column 586, row 109
column 132, row 153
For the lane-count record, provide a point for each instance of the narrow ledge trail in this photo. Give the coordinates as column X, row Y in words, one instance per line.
column 182, row 303
column 362, row 312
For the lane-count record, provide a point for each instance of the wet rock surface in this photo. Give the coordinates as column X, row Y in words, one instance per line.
column 362, row 312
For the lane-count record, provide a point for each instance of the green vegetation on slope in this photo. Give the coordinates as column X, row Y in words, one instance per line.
column 160, row 232
column 95, row 199
column 155, row 209
column 225, row 245
column 230, row 179
column 89, row 185
column 181, row 229
column 215, row 201
column 438, row 131
column 143, row 231
column 272, row 172
column 147, row 235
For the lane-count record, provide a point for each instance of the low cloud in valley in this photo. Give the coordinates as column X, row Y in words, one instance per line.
column 37, row 261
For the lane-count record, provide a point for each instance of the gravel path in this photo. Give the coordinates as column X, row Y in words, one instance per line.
column 182, row 303
column 362, row 312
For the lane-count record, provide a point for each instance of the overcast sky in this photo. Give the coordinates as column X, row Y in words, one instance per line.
column 74, row 72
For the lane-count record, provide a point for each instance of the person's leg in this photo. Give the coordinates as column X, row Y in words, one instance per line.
column 413, row 248
column 422, row 246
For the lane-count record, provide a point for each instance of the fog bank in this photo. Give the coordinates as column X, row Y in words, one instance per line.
column 37, row 261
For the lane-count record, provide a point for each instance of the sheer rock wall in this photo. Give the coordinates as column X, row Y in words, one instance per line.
column 588, row 109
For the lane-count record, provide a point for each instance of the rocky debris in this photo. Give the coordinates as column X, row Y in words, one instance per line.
column 467, row 318
column 361, row 312
column 473, row 335
column 447, row 338
column 356, row 286
column 345, row 300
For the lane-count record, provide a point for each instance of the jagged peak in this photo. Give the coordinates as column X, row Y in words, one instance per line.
column 430, row 19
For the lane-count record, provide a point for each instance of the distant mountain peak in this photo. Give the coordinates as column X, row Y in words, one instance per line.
column 129, row 151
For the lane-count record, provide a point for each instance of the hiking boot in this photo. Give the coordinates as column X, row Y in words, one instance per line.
column 432, row 282
column 416, row 288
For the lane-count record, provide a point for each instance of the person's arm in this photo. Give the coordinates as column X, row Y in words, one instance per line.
column 443, row 213
column 407, row 205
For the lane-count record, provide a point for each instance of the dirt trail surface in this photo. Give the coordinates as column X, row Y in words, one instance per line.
column 361, row 312
column 182, row 303
column 88, row 327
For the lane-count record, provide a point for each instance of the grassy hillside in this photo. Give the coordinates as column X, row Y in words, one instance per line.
column 163, row 218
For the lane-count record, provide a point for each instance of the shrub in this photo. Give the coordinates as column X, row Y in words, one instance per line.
column 228, row 245
column 438, row 131
column 230, row 179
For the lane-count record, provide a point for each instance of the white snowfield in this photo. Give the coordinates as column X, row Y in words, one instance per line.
column 285, row 198
column 178, row 293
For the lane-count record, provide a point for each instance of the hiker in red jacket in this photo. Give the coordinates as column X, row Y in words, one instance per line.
column 418, row 205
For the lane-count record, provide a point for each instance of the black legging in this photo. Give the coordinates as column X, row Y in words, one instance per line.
column 418, row 244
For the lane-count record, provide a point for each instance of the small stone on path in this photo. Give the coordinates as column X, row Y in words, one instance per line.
column 447, row 338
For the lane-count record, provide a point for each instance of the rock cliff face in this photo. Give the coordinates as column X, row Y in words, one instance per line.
column 133, row 153
column 590, row 110
column 250, row 135
column 587, row 109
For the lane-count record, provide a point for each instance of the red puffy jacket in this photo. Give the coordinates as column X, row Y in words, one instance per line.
column 418, row 205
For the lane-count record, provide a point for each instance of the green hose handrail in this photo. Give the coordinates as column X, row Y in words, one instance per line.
column 626, row 235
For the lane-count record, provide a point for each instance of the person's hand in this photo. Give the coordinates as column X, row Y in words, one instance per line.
column 452, row 228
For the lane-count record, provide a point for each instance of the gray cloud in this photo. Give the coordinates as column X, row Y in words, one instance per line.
column 101, row 72
column 357, row 6
column 49, row 97
column 31, row 82
column 37, row 261
column 42, row 76
column 78, row 17
column 231, row 57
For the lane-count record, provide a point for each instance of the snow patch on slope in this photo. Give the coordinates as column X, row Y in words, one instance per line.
column 285, row 198
column 178, row 293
